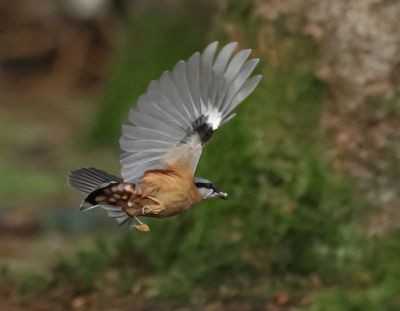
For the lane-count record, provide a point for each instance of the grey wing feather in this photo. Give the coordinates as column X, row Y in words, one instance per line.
column 206, row 73
column 193, row 79
column 235, row 66
column 218, row 72
column 112, row 211
column 237, row 83
column 245, row 91
column 179, row 113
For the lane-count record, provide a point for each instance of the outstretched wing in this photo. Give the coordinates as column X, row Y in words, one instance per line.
column 178, row 114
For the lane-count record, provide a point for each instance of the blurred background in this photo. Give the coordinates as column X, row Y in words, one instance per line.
column 311, row 162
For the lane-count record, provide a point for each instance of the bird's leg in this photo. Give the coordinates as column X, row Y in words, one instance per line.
column 138, row 225
column 153, row 208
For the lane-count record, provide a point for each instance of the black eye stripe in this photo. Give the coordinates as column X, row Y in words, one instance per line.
column 204, row 185
column 207, row 186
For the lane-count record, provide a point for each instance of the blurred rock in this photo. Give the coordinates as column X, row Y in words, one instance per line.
column 45, row 44
column 18, row 226
column 360, row 61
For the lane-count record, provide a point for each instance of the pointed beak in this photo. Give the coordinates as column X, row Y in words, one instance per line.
column 222, row 195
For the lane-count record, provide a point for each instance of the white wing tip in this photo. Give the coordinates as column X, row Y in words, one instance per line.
column 212, row 44
column 232, row 44
column 214, row 118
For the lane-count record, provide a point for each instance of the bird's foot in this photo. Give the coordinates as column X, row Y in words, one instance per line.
column 152, row 209
column 138, row 225
column 141, row 227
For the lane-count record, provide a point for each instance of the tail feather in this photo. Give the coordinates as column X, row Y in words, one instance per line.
column 114, row 212
column 87, row 180
column 92, row 181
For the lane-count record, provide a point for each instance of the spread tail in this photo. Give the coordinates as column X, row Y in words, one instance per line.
column 86, row 180
column 91, row 182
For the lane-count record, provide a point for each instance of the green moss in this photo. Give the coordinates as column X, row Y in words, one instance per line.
column 84, row 269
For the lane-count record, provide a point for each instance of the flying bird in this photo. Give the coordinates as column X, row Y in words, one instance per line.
column 164, row 135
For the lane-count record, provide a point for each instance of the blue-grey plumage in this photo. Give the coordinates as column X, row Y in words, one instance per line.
column 164, row 135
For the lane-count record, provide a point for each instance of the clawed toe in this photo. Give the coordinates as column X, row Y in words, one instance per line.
column 152, row 209
column 141, row 227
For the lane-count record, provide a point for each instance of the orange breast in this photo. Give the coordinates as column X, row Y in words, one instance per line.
column 172, row 186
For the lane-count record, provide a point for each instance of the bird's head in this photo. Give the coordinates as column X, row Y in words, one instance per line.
column 207, row 189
